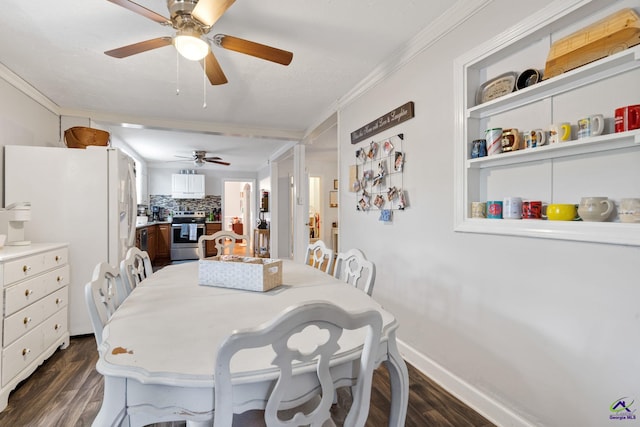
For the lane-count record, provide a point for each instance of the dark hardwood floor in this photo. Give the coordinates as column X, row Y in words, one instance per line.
column 67, row 391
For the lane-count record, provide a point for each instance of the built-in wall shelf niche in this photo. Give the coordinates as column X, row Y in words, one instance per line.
column 603, row 165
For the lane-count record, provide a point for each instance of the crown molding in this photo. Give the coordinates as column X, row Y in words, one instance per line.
column 443, row 25
column 23, row 86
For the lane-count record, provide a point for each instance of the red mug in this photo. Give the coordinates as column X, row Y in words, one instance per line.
column 627, row 118
column 531, row 210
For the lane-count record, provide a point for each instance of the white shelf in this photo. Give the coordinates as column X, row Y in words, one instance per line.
column 597, row 232
column 594, row 144
column 571, row 80
column 486, row 176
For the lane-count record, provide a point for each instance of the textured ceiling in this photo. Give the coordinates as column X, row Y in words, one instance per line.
column 57, row 47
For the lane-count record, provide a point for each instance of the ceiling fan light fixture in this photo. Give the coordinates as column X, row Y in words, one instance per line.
column 190, row 45
column 198, row 163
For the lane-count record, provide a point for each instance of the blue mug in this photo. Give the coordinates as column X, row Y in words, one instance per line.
column 494, row 209
column 478, row 148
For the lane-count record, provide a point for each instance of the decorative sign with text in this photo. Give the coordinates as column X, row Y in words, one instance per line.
column 392, row 118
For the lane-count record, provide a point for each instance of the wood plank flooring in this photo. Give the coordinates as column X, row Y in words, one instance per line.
column 66, row 391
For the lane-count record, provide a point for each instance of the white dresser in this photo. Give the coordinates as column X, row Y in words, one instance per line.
column 35, row 295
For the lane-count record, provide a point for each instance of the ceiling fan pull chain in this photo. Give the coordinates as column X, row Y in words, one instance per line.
column 204, row 84
column 177, row 73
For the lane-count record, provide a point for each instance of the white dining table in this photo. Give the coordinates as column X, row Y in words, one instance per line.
column 159, row 348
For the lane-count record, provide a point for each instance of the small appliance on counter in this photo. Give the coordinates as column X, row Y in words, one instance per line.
column 12, row 219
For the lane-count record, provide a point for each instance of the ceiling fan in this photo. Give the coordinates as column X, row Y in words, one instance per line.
column 192, row 20
column 199, row 158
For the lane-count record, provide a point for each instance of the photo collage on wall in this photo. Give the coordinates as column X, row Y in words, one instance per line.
column 377, row 177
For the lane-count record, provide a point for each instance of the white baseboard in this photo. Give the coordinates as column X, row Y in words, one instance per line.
column 486, row 406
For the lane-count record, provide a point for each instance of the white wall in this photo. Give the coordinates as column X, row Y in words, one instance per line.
column 24, row 121
column 529, row 331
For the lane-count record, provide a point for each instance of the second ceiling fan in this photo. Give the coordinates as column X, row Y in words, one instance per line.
column 193, row 20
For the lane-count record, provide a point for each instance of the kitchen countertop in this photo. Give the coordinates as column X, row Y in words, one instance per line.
column 150, row 223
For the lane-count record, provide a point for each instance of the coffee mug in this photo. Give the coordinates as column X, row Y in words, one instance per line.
column 627, row 118
column 494, row 209
column 532, row 209
column 478, row 210
column 590, row 126
column 494, row 141
column 535, row 138
column 478, row 148
column 630, row 210
column 510, row 140
column 560, row 212
column 512, row 208
column 559, row 132
column 596, row 209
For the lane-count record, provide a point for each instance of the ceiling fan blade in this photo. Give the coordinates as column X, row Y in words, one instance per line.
column 141, row 10
column 213, row 158
column 254, row 49
column 214, row 71
column 217, row 162
column 139, row 47
column 209, row 11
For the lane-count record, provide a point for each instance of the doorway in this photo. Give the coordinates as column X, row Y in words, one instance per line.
column 315, row 209
column 238, row 206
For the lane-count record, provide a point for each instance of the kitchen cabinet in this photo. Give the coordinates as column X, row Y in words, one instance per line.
column 152, row 241
column 604, row 165
column 211, row 228
column 164, row 241
column 187, row 186
column 34, row 298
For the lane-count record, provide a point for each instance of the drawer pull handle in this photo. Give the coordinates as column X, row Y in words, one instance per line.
column 26, row 351
column 59, row 279
column 26, row 268
column 56, row 327
column 27, row 320
column 28, row 292
column 57, row 258
column 58, row 301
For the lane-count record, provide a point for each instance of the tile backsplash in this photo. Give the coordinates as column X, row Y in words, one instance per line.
column 168, row 203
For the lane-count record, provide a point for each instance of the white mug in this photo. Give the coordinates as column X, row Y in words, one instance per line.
column 590, row 126
column 512, row 208
column 494, row 141
column 535, row 138
column 630, row 210
column 559, row 132
column 595, row 208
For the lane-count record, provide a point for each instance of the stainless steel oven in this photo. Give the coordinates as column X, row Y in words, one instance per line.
column 186, row 229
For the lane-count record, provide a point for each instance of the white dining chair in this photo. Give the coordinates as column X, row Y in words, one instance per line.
column 319, row 256
column 225, row 242
column 103, row 295
column 353, row 268
column 304, row 339
column 134, row 268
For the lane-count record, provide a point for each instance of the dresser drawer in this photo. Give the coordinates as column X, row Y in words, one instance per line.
column 55, row 327
column 21, row 353
column 31, row 316
column 29, row 291
column 56, row 301
column 22, row 322
column 35, row 264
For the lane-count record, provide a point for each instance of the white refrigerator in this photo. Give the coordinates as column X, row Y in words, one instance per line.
column 85, row 197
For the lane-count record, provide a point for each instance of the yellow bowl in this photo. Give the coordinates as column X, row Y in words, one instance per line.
column 561, row 212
